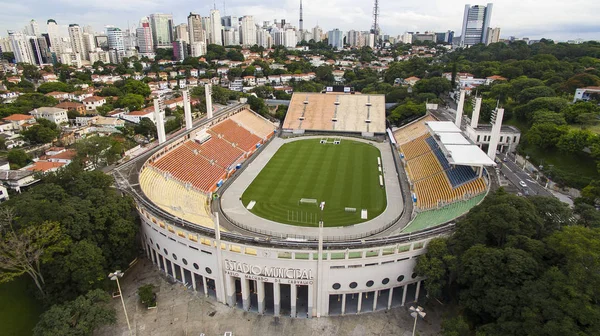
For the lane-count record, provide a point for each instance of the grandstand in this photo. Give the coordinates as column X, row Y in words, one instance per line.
column 173, row 197
column 255, row 124
column 413, row 130
column 436, row 182
column 236, row 135
column 336, row 113
column 188, row 166
column 214, row 153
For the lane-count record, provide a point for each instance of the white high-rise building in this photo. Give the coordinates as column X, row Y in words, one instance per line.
column 290, row 40
column 5, row 44
column 144, row 37
column 162, row 30
column 77, row 44
column 182, row 33
column 230, row 21
column 207, row 28
column 493, row 36
column 215, row 27
column 198, row 49
column 33, row 29
column 115, row 38
column 336, row 38
column 263, row 38
column 406, row 38
column 21, row 47
column 230, row 36
column 355, row 39
column 317, row 34
column 196, row 31
column 248, row 31
column 475, row 25
column 56, row 44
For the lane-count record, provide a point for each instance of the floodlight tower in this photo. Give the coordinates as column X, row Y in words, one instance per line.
column 497, row 116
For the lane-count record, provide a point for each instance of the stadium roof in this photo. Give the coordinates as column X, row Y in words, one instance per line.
column 453, row 139
column 442, row 127
column 468, row 155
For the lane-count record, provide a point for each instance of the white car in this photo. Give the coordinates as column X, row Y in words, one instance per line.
column 522, row 184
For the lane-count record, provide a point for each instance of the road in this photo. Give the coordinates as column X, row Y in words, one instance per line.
column 515, row 174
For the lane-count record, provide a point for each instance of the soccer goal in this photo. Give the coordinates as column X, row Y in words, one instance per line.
column 335, row 141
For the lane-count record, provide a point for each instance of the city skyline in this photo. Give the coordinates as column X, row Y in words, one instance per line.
column 554, row 20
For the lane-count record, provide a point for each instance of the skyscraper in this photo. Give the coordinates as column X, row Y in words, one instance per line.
column 115, row 38
column 215, row 27
column 493, row 35
column 33, row 28
column 144, row 37
column 55, row 38
column 21, row 47
column 317, row 34
column 248, row 31
column 77, row 44
column 475, row 25
column 355, row 39
column 181, row 33
column 162, row 30
column 195, row 29
column 336, row 38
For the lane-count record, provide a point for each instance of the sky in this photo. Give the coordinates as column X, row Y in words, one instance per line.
column 556, row 19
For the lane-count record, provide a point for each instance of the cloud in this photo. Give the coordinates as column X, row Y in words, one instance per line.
column 555, row 19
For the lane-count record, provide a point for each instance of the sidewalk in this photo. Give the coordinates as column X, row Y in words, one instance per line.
column 183, row 312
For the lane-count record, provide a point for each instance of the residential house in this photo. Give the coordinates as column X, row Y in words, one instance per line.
column 91, row 103
column 58, row 95
column 72, row 106
column 54, row 114
column 19, row 122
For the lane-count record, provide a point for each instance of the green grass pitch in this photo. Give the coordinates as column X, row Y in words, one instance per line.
column 344, row 176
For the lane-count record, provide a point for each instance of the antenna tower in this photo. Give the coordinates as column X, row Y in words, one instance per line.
column 375, row 28
column 301, row 23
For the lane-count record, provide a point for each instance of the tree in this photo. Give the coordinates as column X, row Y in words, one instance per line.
column 436, row 266
column 55, row 86
column 79, row 317
column 534, row 92
column 18, row 158
column 146, row 127
column 548, row 117
column 435, row 85
column 99, row 151
column 110, row 91
column 24, row 250
column 324, row 73
column 574, row 141
column 545, row 135
column 555, row 104
column 408, row 110
column 131, row 101
column 43, row 132
column 132, row 86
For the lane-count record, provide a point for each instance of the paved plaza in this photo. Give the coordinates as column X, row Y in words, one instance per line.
column 182, row 311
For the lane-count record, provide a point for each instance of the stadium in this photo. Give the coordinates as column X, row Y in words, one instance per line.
column 324, row 214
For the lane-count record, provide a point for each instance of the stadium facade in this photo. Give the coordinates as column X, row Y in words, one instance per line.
column 186, row 234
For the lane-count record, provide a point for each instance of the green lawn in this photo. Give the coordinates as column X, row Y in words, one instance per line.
column 19, row 310
column 344, row 175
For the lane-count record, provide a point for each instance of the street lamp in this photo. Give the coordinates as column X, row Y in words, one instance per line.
column 416, row 313
column 115, row 277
